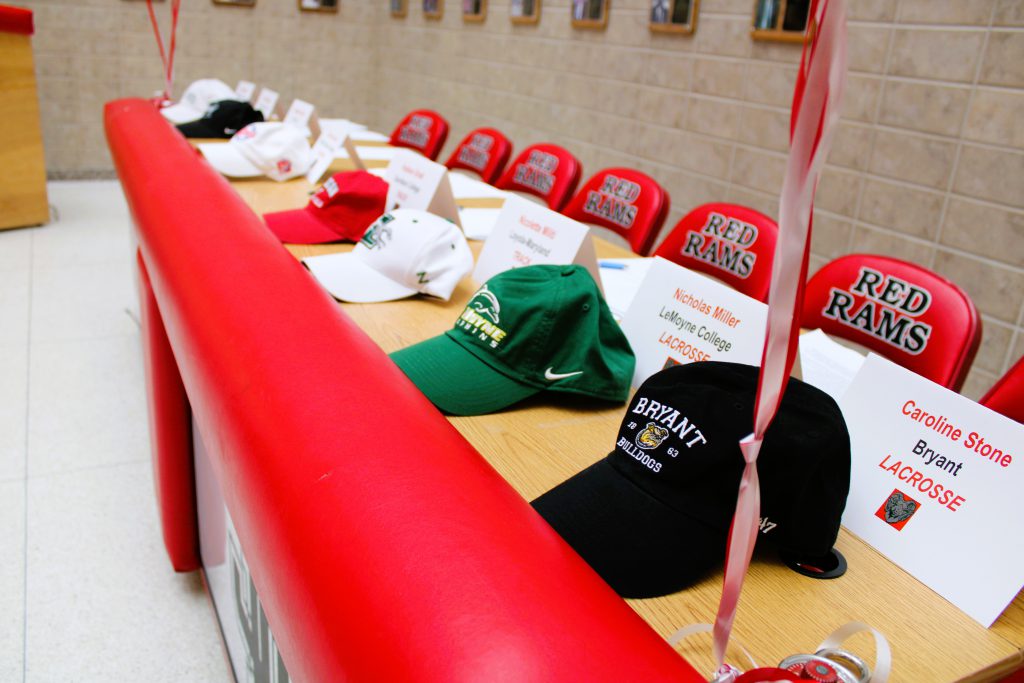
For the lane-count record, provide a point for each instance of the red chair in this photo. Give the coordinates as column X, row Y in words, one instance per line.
column 1007, row 395
column 627, row 202
column 422, row 130
column 485, row 151
column 546, row 171
column 897, row 309
column 729, row 242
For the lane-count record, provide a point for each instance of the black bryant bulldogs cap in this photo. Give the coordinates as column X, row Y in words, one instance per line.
column 222, row 120
column 654, row 516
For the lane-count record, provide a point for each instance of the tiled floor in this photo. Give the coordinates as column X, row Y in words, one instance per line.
column 86, row 590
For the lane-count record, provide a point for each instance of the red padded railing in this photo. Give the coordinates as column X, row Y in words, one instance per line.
column 383, row 547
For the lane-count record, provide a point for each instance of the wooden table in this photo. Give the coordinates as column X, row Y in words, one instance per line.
column 548, row 438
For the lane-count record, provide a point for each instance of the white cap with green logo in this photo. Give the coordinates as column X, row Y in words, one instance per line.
column 404, row 252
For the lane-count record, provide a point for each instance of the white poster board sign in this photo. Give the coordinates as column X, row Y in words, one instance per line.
column 325, row 149
column 416, row 182
column 679, row 316
column 245, row 90
column 528, row 234
column 299, row 113
column 935, row 486
column 266, row 103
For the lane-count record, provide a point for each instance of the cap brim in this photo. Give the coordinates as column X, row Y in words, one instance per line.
column 225, row 158
column 455, row 380
column 201, row 129
column 347, row 278
column 181, row 113
column 300, row 226
column 641, row 547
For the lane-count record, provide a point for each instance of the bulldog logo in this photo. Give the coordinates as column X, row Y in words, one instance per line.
column 284, row 166
column 651, row 436
column 897, row 509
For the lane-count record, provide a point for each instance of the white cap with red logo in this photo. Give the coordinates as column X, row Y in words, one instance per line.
column 276, row 150
column 198, row 96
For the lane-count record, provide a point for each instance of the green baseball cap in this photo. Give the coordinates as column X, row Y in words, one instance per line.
column 526, row 330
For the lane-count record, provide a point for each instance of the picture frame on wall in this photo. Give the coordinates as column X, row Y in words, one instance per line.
column 318, row 5
column 399, row 8
column 524, row 11
column 589, row 13
column 433, row 9
column 474, row 11
column 236, row 3
column 674, row 16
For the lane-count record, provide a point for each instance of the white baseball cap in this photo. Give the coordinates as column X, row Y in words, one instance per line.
column 197, row 98
column 276, row 150
column 404, row 252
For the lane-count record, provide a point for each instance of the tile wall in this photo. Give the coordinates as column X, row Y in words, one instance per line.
column 928, row 164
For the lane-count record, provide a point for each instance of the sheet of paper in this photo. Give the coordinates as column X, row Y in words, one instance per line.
column 827, row 364
column 369, row 136
column 266, row 103
column 935, row 486
column 477, row 224
column 621, row 279
column 245, row 90
column 680, row 316
column 464, row 187
column 342, row 126
column 376, row 153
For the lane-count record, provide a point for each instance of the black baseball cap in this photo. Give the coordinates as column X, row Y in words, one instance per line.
column 222, row 120
column 653, row 516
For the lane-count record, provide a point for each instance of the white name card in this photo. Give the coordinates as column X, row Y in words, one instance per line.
column 416, row 182
column 679, row 316
column 935, row 486
column 245, row 90
column 266, row 103
column 527, row 234
column 299, row 113
column 325, row 149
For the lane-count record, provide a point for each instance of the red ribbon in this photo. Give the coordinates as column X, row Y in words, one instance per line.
column 815, row 113
column 166, row 58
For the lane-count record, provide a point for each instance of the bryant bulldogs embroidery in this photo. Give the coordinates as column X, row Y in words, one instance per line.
column 887, row 308
column 481, row 318
column 417, row 131
column 664, row 420
column 477, row 153
column 723, row 242
column 614, row 201
column 538, row 171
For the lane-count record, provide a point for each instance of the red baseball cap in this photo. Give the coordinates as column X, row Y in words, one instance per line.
column 341, row 209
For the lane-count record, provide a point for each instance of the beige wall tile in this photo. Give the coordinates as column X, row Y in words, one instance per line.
column 1004, row 59
column 996, row 116
column 871, row 10
column 984, row 230
column 1009, row 13
column 963, row 12
column 728, row 36
column 715, row 117
column 989, row 286
column 993, row 174
column 669, row 71
column 770, row 83
column 837, row 191
column 925, row 107
column 860, row 101
column 867, row 45
column 995, row 342
column 937, row 54
column 830, row 235
column 851, row 146
column 718, row 77
column 758, row 170
column 908, row 210
column 916, row 159
column 764, row 127
column 870, row 240
column 766, row 203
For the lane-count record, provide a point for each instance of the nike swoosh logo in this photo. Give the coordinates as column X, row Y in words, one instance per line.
column 548, row 374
